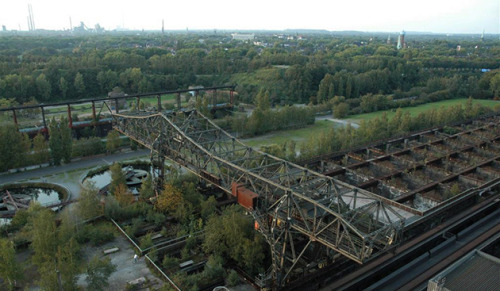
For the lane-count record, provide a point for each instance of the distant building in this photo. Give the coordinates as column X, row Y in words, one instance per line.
column 4, row 28
column 401, row 40
column 243, row 36
column 193, row 93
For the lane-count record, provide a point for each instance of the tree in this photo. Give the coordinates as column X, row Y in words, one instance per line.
column 233, row 278
column 123, row 195
column 40, row 149
column 326, row 89
column 98, row 272
column 44, row 243
column 341, row 110
column 225, row 235
column 214, row 267
column 107, row 80
column 130, row 78
column 89, row 205
column 67, row 261
column 43, row 236
column 55, row 142
column 66, row 140
column 79, row 83
column 43, row 87
column 112, row 141
column 262, row 101
column 63, row 87
column 13, row 147
column 147, row 191
column 117, row 176
column 495, row 85
column 10, row 270
column 55, row 250
column 208, row 207
column 170, row 199
column 253, row 254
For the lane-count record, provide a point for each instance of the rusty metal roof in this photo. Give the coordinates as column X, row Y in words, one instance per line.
column 476, row 271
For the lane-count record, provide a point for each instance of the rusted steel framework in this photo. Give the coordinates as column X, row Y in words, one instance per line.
column 428, row 171
column 293, row 207
column 98, row 103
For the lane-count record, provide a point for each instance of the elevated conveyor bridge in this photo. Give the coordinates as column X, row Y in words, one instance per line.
column 297, row 210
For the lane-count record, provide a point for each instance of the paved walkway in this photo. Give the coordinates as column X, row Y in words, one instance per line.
column 74, row 165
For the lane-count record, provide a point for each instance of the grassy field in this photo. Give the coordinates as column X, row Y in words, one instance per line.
column 297, row 135
column 421, row 108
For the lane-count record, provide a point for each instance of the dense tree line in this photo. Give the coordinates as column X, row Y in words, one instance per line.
column 18, row 150
column 347, row 137
column 314, row 70
column 266, row 119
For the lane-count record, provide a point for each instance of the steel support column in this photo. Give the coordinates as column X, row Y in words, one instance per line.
column 70, row 118
column 15, row 117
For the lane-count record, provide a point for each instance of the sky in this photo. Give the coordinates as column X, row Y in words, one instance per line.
column 438, row 16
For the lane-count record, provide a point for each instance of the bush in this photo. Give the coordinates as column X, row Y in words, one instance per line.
column 233, row 279
column 191, row 243
column 146, row 241
column 169, row 262
column 87, row 147
column 96, row 234
column 133, row 229
column 155, row 217
column 341, row 110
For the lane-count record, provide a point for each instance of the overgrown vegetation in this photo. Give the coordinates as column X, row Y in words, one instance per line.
column 381, row 128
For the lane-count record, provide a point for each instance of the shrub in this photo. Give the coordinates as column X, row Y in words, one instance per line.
column 169, row 262
column 146, row 241
column 233, row 278
column 96, row 234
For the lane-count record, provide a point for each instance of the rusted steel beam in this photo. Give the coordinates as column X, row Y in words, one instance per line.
column 94, row 117
column 15, row 117
column 232, row 87
column 43, row 118
column 70, row 118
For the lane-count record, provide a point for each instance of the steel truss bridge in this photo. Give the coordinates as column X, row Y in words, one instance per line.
column 306, row 217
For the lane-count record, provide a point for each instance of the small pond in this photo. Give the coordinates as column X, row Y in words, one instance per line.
column 44, row 196
column 22, row 197
column 133, row 176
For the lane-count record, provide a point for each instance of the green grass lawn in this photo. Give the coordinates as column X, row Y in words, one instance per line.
column 421, row 108
column 298, row 135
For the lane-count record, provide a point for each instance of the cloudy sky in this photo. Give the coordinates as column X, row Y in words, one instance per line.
column 440, row 16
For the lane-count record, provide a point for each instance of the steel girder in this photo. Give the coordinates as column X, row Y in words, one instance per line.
column 291, row 199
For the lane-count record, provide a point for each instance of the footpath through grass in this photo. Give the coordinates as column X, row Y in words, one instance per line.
column 414, row 111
